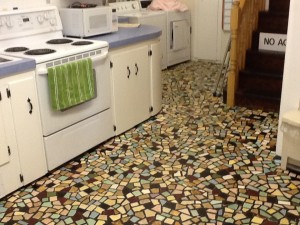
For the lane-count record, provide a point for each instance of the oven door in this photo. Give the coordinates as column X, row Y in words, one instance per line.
column 54, row 121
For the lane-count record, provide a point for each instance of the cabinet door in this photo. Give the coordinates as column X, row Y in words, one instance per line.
column 9, row 167
column 156, row 82
column 4, row 156
column 28, row 127
column 131, row 87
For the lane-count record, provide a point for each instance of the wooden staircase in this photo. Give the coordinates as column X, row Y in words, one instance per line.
column 259, row 84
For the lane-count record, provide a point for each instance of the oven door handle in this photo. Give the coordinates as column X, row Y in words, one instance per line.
column 43, row 71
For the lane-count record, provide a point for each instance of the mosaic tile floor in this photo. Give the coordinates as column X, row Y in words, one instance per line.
column 196, row 162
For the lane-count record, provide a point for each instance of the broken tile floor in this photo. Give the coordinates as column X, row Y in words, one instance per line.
column 196, row 162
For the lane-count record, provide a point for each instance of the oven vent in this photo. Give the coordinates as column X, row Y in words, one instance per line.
column 73, row 58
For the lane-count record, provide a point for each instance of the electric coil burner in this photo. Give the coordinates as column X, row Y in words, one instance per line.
column 16, row 49
column 42, row 51
column 82, row 43
column 59, row 41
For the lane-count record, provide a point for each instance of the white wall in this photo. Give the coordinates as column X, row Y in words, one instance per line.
column 209, row 41
column 291, row 78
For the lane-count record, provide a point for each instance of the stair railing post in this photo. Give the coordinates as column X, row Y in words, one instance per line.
column 251, row 22
column 244, row 20
column 232, row 73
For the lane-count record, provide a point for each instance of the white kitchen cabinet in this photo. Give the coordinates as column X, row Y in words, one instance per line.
column 132, row 83
column 10, row 170
column 4, row 151
column 131, row 87
column 23, row 149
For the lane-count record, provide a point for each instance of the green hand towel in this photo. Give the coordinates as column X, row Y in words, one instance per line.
column 71, row 84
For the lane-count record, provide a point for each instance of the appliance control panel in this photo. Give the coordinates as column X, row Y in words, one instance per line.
column 126, row 7
column 27, row 22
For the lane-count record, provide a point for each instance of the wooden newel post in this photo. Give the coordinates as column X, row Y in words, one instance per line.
column 232, row 77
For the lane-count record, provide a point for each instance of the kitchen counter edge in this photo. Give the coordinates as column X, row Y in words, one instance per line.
column 129, row 35
column 16, row 67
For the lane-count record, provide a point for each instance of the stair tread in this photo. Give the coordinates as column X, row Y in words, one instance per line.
column 265, row 31
column 266, row 52
column 251, row 71
column 273, row 21
column 265, row 61
column 256, row 94
column 275, row 13
column 257, row 31
column 279, row 5
column 257, row 102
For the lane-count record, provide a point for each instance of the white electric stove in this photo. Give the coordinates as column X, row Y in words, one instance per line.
column 37, row 34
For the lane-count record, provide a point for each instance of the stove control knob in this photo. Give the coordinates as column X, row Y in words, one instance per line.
column 46, row 15
column 53, row 21
column 9, row 23
column 40, row 19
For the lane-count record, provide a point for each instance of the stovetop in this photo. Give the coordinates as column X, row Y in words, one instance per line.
column 47, row 50
column 37, row 34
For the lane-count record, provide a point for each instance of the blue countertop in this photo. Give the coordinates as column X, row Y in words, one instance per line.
column 16, row 67
column 129, row 35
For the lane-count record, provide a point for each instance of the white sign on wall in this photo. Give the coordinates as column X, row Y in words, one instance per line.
column 272, row 42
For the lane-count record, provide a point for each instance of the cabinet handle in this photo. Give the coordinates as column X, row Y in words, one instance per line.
column 136, row 69
column 129, row 72
column 8, row 93
column 30, row 104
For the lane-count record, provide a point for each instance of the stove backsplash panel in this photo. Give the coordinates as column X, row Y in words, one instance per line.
column 20, row 4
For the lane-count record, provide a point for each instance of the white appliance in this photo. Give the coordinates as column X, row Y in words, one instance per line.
column 37, row 34
column 178, row 37
column 175, row 26
column 136, row 15
column 86, row 22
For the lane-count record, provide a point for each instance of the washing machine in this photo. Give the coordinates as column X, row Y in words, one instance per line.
column 178, row 37
column 175, row 25
column 135, row 14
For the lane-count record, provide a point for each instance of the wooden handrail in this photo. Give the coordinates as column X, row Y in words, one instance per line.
column 244, row 20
